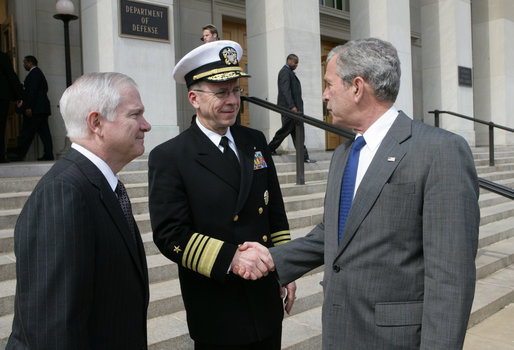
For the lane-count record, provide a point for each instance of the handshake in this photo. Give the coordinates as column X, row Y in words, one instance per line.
column 253, row 261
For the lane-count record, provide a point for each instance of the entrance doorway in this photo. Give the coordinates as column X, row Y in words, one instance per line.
column 331, row 140
column 237, row 32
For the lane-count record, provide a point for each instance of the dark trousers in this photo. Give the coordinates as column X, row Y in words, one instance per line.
column 271, row 343
column 37, row 123
column 288, row 127
column 4, row 109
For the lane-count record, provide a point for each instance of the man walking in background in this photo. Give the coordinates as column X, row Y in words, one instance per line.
column 290, row 97
column 35, row 110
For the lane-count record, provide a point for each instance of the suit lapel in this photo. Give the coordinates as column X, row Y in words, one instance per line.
column 246, row 154
column 377, row 175
column 211, row 158
column 111, row 204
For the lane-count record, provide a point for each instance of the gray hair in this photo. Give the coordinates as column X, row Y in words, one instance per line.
column 374, row 60
column 98, row 92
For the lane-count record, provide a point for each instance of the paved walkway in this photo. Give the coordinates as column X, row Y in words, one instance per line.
column 494, row 333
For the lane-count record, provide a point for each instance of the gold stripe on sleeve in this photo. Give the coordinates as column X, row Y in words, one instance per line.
column 280, row 237
column 201, row 253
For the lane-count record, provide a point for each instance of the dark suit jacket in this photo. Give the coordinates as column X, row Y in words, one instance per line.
column 82, row 280
column 36, row 89
column 199, row 216
column 10, row 87
column 403, row 276
column 289, row 89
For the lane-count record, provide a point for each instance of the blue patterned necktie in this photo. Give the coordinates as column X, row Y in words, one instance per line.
column 348, row 185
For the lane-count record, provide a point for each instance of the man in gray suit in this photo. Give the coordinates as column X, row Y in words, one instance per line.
column 400, row 274
column 82, row 280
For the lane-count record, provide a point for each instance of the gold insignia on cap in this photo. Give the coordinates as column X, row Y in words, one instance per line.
column 266, row 197
column 176, row 249
column 229, row 54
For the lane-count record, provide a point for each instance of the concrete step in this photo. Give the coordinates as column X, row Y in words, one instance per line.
column 309, row 175
column 496, row 212
column 169, row 331
column 291, row 166
column 292, row 189
column 496, row 231
column 5, row 329
column 494, row 257
column 492, row 293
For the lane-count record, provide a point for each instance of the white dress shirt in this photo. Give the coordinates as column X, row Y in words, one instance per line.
column 373, row 137
column 216, row 138
column 100, row 164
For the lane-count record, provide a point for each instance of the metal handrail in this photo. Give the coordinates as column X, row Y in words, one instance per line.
column 483, row 183
column 491, row 125
column 300, row 117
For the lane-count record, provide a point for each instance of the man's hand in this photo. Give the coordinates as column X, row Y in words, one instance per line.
column 252, row 261
column 289, row 297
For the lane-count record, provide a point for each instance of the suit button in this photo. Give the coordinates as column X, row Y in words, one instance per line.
column 264, row 238
column 336, row 268
column 236, row 218
column 260, row 210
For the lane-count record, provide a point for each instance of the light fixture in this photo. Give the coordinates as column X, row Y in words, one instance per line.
column 64, row 7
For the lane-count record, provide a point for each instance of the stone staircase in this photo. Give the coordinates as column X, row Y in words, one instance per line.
column 167, row 326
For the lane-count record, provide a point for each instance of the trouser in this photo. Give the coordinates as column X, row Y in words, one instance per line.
column 37, row 123
column 288, row 127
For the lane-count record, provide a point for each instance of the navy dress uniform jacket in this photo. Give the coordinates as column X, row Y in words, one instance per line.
column 199, row 217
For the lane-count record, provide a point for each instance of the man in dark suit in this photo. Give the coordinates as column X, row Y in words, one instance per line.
column 36, row 110
column 10, row 90
column 211, row 188
column 82, row 280
column 400, row 266
column 289, row 96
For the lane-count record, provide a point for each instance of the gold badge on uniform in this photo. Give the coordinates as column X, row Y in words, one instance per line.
column 258, row 161
column 266, row 197
column 177, row 249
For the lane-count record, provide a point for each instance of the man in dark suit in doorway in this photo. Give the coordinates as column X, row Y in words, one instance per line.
column 289, row 96
column 10, row 90
column 82, row 280
column 36, row 110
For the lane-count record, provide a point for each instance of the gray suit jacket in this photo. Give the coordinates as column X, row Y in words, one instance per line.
column 403, row 276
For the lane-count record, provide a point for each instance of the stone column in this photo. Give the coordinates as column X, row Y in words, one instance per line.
column 493, row 54
column 387, row 20
column 149, row 63
column 446, row 45
column 274, row 30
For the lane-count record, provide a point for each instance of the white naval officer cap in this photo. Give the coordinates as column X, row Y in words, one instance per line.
column 216, row 61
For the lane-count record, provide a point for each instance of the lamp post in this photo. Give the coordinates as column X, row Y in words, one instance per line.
column 65, row 11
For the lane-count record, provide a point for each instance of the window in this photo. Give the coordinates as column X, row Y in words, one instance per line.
column 343, row 5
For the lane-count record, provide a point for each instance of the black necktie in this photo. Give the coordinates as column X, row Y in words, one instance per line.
column 229, row 154
column 126, row 207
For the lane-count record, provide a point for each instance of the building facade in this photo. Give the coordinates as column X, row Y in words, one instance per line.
column 455, row 54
